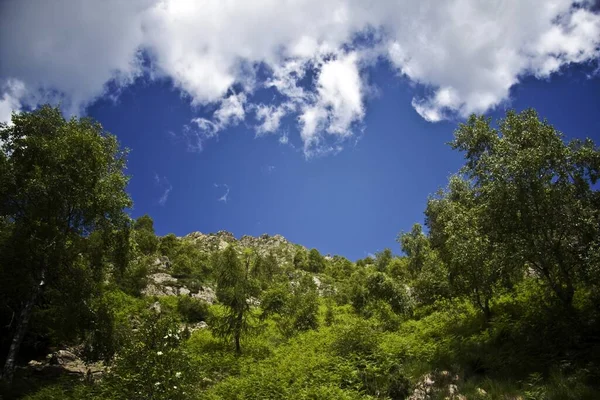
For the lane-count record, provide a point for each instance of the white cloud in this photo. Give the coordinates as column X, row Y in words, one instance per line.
column 73, row 48
column 468, row 54
column 231, row 111
column 165, row 186
column 479, row 50
column 338, row 102
column 10, row 101
column 270, row 116
column 284, row 139
column 225, row 195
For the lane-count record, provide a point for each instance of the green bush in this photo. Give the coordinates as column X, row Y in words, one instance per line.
column 152, row 364
column 192, row 310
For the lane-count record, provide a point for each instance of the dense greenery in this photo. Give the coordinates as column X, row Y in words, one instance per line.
column 496, row 297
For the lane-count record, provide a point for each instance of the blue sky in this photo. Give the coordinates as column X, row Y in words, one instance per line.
column 352, row 203
column 323, row 121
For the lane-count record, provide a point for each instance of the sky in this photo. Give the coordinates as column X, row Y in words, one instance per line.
column 324, row 121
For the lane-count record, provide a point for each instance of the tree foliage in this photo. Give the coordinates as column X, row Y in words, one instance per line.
column 61, row 187
column 234, row 289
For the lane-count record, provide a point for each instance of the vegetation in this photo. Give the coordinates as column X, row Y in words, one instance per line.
column 496, row 297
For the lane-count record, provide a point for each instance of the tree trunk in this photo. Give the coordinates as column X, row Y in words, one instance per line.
column 238, row 349
column 486, row 310
column 22, row 322
column 238, row 331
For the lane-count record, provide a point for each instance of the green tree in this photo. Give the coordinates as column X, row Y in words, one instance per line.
column 265, row 268
column 234, row 289
column 381, row 287
column 293, row 305
column 60, row 181
column 271, row 267
column 144, row 234
column 169, row 245
column 340, row 268
column 316, row 262
column 416, row 246
column 383, row 259
column 456, row 228
column 540, row 209
column 300, row 258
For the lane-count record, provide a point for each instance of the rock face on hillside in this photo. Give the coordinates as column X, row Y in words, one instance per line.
column 65, row 362
column 264, row 244
column 162, row 283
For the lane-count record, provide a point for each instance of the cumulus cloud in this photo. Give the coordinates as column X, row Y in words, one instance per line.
column 270, row 116
column 69, row 50
column 10, row 101
column 230, row 111
column 313, row 54
column 339, row 101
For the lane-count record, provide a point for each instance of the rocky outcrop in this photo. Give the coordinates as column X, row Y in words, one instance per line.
column 263, row 245
column 161, row 284
column 65, row 362
column 207, row 294
column 437, row 385
column 210, row 242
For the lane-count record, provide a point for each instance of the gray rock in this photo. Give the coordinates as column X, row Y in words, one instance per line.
column 65, row 362
column 207, row 294
column 156, row 307
column 436, row 385
column 170, row 291
column 162, row 277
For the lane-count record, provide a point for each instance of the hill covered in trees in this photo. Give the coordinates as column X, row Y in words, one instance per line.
column 497, row 297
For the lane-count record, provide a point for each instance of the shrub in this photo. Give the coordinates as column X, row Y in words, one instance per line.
column 152, row 364
column 192, row 310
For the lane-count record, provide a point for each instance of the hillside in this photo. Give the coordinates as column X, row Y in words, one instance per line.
column 495, row 298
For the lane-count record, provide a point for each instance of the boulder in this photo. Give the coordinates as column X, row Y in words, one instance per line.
column 436, row 385
column 207, row 294
column 156, row 307
column 65, row 362
column 162, row 277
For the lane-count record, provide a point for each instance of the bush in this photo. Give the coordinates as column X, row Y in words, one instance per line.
column 192, row 310
column 356, row 337
column 152, row 364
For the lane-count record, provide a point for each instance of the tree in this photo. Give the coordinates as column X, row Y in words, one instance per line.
column 416, row 246
column 265, row 268
column 538, row 205
column 60, row 181
column 144, row 234
column 382, row 259
column 458, row 234
column 340, row 268
column 294, row 305
column 234, row 288
column 380, row 287
column 271, row 267
column 169, row 245
column 300, row 258
column 316, row 262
